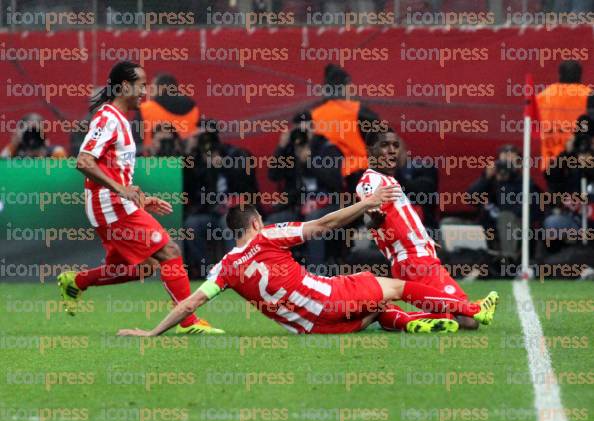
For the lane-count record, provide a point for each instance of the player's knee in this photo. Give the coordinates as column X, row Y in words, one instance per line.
column 170, row 251
column 398, row 287
column 391, row 288
column 148, row 267
column 174, row 249
column 152, row 262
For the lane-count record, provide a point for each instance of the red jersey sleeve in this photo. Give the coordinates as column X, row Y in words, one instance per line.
column 102, row 133
column 217, row 275
column 285, row 234
column 368, row 184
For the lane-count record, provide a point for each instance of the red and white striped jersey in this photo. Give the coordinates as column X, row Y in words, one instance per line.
column 266, row 275
column 110, row 141
column 402, row 235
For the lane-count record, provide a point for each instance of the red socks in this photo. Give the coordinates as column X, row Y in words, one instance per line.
column 433, row 300
column 176, row 282
column 395, row 318
column 109, row 275
column 173, row 274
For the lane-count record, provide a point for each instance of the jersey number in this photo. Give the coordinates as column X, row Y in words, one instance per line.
column 263, row 283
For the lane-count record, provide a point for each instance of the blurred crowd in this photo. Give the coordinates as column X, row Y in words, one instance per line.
column 309, row 11
column 326, row 161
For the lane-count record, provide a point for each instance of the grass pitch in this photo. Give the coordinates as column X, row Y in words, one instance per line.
column 57, row 367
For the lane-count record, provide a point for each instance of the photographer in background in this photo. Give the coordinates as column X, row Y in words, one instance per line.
column 293, row 148
column 310, row 188
column 564, row 178
column 219, row 174
column 501, row 183
column 29, row 141
column 165, row 142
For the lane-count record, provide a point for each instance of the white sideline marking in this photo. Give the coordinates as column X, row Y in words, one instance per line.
column 547, row 397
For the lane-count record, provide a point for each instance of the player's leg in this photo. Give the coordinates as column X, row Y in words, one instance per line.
column 443, row 281
column 432, row 300
column 116, row 270
column 394, row 318
column 177, row 283
column 429, row 271
column 353, row 304
column 140, row 236
column 72, row 284
column 415, row 322
column 358, row 300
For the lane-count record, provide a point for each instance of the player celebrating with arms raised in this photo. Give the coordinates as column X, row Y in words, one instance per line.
column 262, row 270
column 398, row 230
column 118, row 210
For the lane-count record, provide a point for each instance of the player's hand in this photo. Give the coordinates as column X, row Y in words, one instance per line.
column 134, row 332
column 134, row 194
column 382, row 194
column 157, row 206
column 376, row 218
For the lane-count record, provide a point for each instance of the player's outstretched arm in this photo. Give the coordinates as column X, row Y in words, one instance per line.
column 180, row 312
column 346, row 215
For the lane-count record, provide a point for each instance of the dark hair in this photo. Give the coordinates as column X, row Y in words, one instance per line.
column 336, row 75
column 302, row 117
column 570, row 71
column 509, row 148
column 167, row 81
column 336, row 79
column 238, row 218
column 374, row 136
column 122, row 71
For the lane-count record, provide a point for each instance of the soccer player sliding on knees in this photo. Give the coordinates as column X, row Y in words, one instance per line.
column 262, row 270
column 135, row 243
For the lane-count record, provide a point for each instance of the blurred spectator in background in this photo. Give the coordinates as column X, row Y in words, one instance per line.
column 293, row 148
column 343, row 122
column 220, row 172
column 312, row 187
column 419, row 183
column 559, row 106
column 166, row 142
column 501, row 184
column 574, row 6
column 565, row 176
column 168, row 104
column 29, row 141
column 343, row 6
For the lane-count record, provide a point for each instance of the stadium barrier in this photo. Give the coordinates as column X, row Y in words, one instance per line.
column 49, row 193
column 42, row 217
